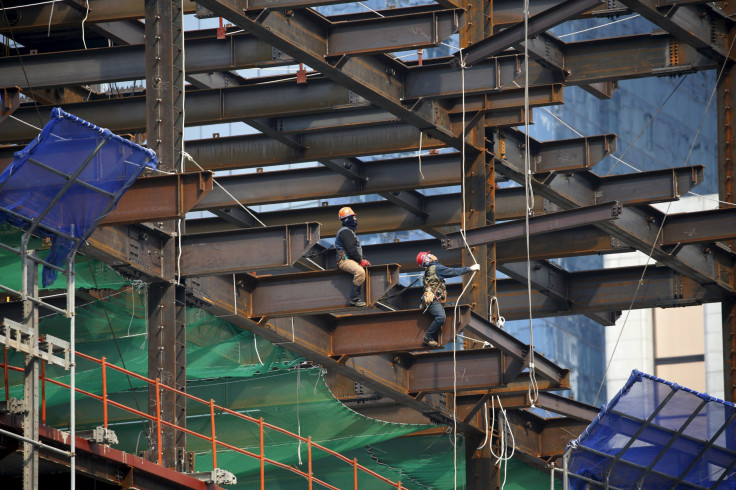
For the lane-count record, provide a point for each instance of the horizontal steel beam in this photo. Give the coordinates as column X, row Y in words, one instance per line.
column 160, row 198
column 463, row 371
column 560, row 405
column 543, row 438
column 233, row 252
column 305, row 293
column 699, row 227
column 381, row 333
column 515, row 229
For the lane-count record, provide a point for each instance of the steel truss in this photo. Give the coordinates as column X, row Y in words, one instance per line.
column 362, row 101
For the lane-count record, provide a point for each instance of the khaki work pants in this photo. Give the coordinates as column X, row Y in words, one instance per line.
column 354, row 268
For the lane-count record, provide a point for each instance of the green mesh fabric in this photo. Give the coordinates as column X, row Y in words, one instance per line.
column 90, row 273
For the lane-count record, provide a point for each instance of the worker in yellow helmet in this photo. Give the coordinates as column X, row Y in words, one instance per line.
column 350, row 254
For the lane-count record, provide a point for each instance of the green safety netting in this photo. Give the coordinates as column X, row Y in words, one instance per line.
column 90, row 273
column 246, row 374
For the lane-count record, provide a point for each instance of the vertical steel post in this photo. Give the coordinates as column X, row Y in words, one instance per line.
column 165, row 130
column 31, row 368
column 479, row 201
column 726, row 174
column 71, row 305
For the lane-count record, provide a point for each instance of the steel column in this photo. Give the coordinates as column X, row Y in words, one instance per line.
column 726, row 100
column 31, row 371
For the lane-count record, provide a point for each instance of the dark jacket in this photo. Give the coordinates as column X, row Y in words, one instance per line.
column 347, row 242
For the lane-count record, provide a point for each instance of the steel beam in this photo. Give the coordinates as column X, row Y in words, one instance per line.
column 380, row 333
column 161, row 197
column 600, row 60
column 700, row 227
column 134, row 250
column 639, row 226
column 543, row 438
column 378, row 79
column 305, row 293
column 466, row 370
column 516, row 229
column 560, row 405
column 496, row 43
column 234, row 252
column 701, row 26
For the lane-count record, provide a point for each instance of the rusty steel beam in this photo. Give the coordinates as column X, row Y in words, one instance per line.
column 701, row 26
column 305, row 293
column 516, row 229
column 9, row 102
column 234, row 252
column 560, row 405
column 700, row 227
column 134, row 250
column 161, row 197
column 540, row 437
column 496, row 43
column 377, row 78
column 512, row 346
column 401, row 331
column 466, row 370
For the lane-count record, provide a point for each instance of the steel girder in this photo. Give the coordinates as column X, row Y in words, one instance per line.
column 234, row 252
column 536, row 24
column 637, row 225
column 515, row 229
column 280, row 107
column 443, row 210
column 388, row 374
column 581, row 293
column 701, row 26
column 160, row 197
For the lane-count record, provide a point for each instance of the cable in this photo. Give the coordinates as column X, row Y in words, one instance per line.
column 602, row 25
column 533, row 391
column 419, row 154
column 84, row 42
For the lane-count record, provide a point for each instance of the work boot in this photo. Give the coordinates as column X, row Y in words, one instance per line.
column 430, row 342
column 355, row 298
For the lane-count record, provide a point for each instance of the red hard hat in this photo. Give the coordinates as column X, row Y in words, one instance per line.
column 345, row 212
column 420, row 258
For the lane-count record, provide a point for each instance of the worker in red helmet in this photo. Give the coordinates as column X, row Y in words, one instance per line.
column 435, row 292
column 350, row 254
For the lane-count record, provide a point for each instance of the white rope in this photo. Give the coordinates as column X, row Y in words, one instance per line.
column 298, row 421
column 598, row 27
column 374, row 11
column 419, row 155
column 533, row 391
column 83, row 21
column 189, row 157
column 15, row 7
column 51, row 14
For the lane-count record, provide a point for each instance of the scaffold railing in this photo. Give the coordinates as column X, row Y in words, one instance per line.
column 212, row 438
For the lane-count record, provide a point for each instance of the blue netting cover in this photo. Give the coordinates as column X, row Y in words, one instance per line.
column 674, row 436
column 38, row 177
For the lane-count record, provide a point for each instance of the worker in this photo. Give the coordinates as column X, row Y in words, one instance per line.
column 435, row 292
column 350, row 254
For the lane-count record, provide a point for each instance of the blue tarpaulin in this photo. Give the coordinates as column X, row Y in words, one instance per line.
column 66, row 180
column 656, row 434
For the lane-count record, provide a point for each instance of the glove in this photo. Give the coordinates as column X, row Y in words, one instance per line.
column 475, row 267
column 364, row 263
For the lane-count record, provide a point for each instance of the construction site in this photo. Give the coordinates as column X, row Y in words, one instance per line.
column 297, row 244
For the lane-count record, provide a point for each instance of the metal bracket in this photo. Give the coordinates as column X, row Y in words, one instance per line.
column 51, row 349
column 13, row 406
column 218, row 476
column 100, row 435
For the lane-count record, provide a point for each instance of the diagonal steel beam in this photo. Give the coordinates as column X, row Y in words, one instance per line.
column 466, row 370
column 493, row 45
column 560, row 405
column 378, row 79
column 243, row 251
column 515, row 229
